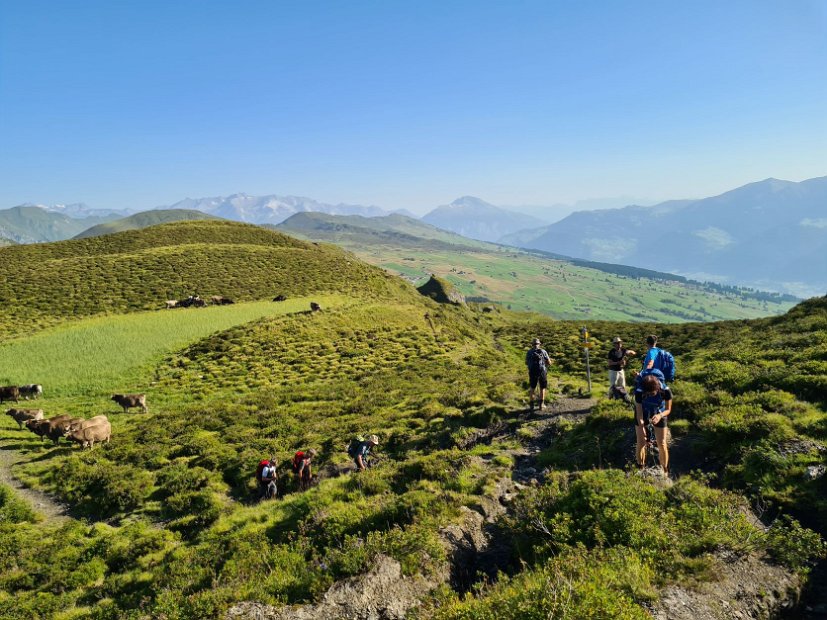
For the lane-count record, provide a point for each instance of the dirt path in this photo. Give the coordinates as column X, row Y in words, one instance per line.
column 44, row 504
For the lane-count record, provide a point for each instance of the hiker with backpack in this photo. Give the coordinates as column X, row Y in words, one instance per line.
column 266, row 477
column 653, row 403
column 618, row 355
column 302, row 467
column 658, row 359
column 537, row 361
column 359, row 451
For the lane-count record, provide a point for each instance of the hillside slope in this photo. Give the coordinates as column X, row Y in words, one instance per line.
column 28, row 224
column 771, row 234
column 534, row 281
column 144, row 219
column 139, row 270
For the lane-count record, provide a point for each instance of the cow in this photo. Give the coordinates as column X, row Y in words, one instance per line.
column 314, row 307
column 131, row 400
column 38, row 427
column 22, row 415
column 87, row 437
column 220, row 300
column 279, row 298
column 171, row 303
column 33, row 389
column 192, row 300
column 51, row 428
column 76, row 425
column 9, row 392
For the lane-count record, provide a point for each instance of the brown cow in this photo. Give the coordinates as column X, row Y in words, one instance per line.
column 220, row 300
column 22, row 415
column 89, row 435
column 77, row 424
column 131, row 400
column 279, row 298
column 51, row 428
column 9, row 392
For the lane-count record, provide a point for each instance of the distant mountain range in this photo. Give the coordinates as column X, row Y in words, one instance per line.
column 770, row 235
column 477, row 219
column 268, row 209
column 145, row 219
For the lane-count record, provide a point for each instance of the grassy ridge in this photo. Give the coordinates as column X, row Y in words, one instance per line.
column 139, row 270
column 145, row 219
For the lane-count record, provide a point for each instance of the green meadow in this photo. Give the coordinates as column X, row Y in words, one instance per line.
column 164, row 521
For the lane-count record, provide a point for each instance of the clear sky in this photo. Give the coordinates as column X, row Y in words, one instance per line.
column 409, row 104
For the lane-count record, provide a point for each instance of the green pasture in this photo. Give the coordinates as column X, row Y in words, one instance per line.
column 107, row 353
column 562, row 290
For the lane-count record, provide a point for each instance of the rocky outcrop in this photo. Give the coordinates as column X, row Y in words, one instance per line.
column 441, row 291
column 382, row 593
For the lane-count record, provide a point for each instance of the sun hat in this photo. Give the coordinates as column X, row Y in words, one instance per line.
column 312, row 452
column 536, row 341
column 374, row 439
column 616, row 339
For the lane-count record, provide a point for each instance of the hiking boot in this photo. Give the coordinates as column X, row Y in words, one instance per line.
column 530, row 406
column 540, row 406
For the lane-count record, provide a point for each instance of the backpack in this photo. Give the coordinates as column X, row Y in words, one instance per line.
column 297, row 459
column 663, row 361
column 353, row 446
column 661, row 406
column 536, row 360
column 260, row 469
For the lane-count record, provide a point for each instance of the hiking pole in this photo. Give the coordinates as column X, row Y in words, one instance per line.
column 586, row 346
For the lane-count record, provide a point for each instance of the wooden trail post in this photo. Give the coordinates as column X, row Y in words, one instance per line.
column 586, row 346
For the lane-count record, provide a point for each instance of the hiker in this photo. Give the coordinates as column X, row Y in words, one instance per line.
column 617, row 362
column 361, row 450
column 656, row 359
column 653, row 401
column 537, row 361
column 303, row 468
column 267, row 478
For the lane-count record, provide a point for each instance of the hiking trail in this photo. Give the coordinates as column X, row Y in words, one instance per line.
column 44, row 504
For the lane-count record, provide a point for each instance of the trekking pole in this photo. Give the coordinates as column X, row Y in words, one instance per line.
column 586, row 346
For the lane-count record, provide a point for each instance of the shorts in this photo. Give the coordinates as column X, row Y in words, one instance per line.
column 661, row 424
column 538, row 377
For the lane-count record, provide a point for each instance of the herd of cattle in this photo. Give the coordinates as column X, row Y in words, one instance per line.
column 85, row 432
column 194, row 301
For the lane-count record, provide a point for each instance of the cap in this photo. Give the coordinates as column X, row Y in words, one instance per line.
column 616, row 339
column 374, row 439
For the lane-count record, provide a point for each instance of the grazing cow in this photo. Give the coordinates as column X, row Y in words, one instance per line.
column 131, row 400
column 38, row 427
column 314, row 307
column 9, row 392
column 76, row 425
column 171, row 303
column 279, row 298
column 89, row 435
column 33, row 389
column 51, row 428
column 220, row 300
column 22, row 415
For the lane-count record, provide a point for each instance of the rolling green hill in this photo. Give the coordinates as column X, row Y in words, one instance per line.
column 145, row 219
column 530, row 280
column 34, row 225
column 138, row 270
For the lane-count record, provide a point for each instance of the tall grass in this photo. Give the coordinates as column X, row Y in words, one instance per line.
column 107, row 353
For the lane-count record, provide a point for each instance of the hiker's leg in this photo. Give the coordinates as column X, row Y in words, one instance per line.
column 612, row 382
column 620, row 380
column 661, row 435
column 640, row 453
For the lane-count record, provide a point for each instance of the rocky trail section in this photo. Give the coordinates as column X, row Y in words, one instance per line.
column 43, row 503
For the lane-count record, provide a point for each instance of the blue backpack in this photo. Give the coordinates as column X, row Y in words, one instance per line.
column 663, row 361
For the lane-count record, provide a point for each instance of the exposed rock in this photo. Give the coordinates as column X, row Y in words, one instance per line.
column 441, row 291
column 814, row 472
column 748, row 587
column 382, row 593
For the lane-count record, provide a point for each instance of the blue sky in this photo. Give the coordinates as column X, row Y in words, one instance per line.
column 407, row 104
